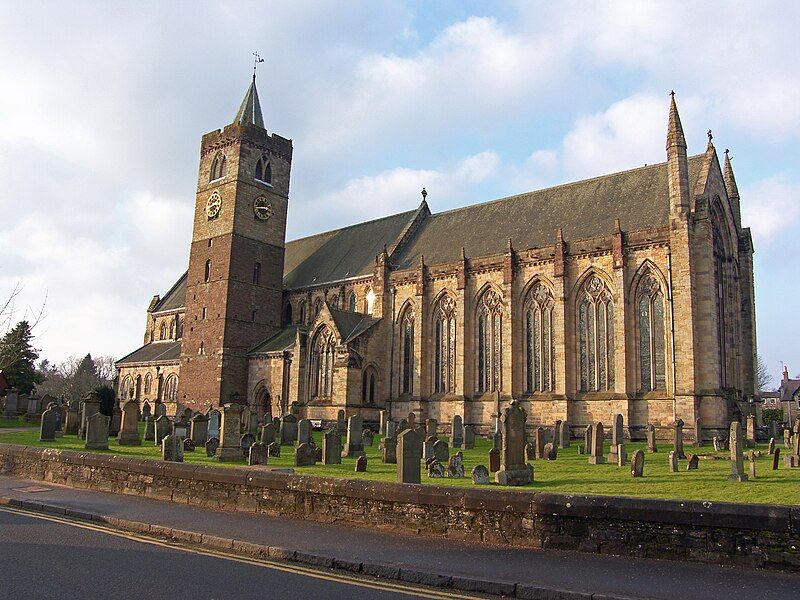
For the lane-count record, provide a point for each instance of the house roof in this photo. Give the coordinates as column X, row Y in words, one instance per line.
column 153, row 352
column 789, row 389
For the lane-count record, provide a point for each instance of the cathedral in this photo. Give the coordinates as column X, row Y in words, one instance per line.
column 627, row 293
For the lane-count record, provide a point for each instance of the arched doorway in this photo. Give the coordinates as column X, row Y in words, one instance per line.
column 263, row 405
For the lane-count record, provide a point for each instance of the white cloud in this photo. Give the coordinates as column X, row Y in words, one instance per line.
column 769, row 207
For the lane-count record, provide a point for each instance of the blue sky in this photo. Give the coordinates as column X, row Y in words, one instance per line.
column 103, row 106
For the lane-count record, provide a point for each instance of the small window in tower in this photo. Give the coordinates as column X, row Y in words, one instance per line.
column 208, row 271
column 257, row 273
column 203, row 314
column 254, row 316
column 218, row 167
column 201, row 349
column 210, row 242
column 264, row 170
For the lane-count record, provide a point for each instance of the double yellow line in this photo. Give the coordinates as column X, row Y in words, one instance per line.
column 363, row 581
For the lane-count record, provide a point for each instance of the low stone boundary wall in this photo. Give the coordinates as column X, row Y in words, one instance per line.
column 754, row 535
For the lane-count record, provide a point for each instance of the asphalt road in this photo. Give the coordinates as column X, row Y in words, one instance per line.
column 42, row 558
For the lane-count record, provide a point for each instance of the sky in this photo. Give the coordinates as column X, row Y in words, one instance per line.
column 102, row 106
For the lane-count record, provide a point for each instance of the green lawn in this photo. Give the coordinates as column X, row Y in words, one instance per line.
column 17, row 423
column 571, row 473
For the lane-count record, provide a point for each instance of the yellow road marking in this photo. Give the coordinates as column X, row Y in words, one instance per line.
column 404, row 588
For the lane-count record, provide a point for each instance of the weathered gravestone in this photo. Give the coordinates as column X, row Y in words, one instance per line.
column 304, row 431
column 390, row 429
column 596, row 445
column 457, row 432
column 513, row 468
column 694, row 462
column 698, row 432
column 189, row 445
column 275, row 448
column 251, row 425
column 538, row 441
column 441, row 452
column 587, row 438
column 787, row 438
column 673, row 461
column 431, row 425
column 455, row 466
column 259, row 455
column 771, row 446
column 497, row 440
column 469, row 437
column 409, row 454
column 129, row 427
column 480, row 475
column 305, row 455
column 751, row 431
column 494, row 460
column 214, row 418
column 617, row 440
column 61, row 415
column 793, row 460
column 146, row 411
column 651, row 438
column 332, row 447
column 776, row 459
column 557, row 433
column 355, row 441
column 752, row 456
column 550, row 451
column 116, row 421
column 564, row 439
column 12, row 403
column 246, row 442
column 97, row 432
column 47, row 430
column 162, row 428
column 530, row 451
column 716, row 445
column 181, row 427
column 172, row 448
column 368, row 437
column 402, row 426
column 677, row 438
column 288, row 430
column 382, row 422
column 150, row 429
column 361, row 464
column 341, row 423
column 737, row 463
column 435, row 468
column 72, row 423
column 91, row 406
column 427, row 448
column 389, row 450
column 637, row 464
column 774, row 429
column 211, row 446
column 199, row 429
column 268, row 434
column 230, row 441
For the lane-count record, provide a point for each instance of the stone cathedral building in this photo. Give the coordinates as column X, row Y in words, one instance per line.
column 627, row 293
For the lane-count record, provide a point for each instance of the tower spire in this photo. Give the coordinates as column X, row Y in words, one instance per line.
column 675, row 137
column 250, row 110
column 732, row 189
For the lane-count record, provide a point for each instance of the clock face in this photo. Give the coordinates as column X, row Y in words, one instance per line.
column 213, row 205
column 262, row 208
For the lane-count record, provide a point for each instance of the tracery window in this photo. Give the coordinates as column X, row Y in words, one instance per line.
column 444, row 374
column 171, row 388
column 218, row 167
column 263, row 170
column 138, row 387
column 595, row 336
column 162, row 334
column 489, row 347
column 317, row 308
column 539, row 344
column 321, row 368
column 650, row 315
column 407, row 351
column 173, row 330
column 368, row 386
column 352, row 301
column 126, row 389
column 148, row 383
column 720, row 296
column 369, row 301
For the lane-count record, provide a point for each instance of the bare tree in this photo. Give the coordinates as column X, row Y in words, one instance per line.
column 764, row 376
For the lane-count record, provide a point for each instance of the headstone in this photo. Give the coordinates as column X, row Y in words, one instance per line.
column 409, row 453
column 787, row 438
column 651, row 438
column 214, row 418
column 162, row 428
column 538, row 441
column 427, row 448
column 435, row 468
column 441, row 452
column 33, row 406
column 513, row 468
column 390, row 430
column 361, row 464
column 737, row 463
column 717, row 445
column 497, row 440
column 694, row 462
column 617, row 439
column 793, row 460
column 251, row 424
column 776, row 459
column 355, row 442
column 774, row 429
column 596, row 445
column 480, row 475
column 181, row 427
column 677, row 438
column 431, row 426
column 564, row 441
column 97, row 432
column 389, row 450
column 752, row 456
column 172, row 448
column 469, row 437
column 530, row 452
column 382, row 422
column 751, row 431
column 161, row 410
column 550, row 451
column 72, row 422
column 305, row 455
column 146, row 411
column 673, row 461
column 771, row 446
column 129, row 427
column 698, row 432
column 494, row 460
column 455, row 466
column 188, row 445
column 412, row 420
column 61, row 415
column 304, row 428
column 557, row 433
column 245, row 442
column 259, row 455
column 276, row 423
column 91, row 406
column 47, row 431
column 587, row 437
column 368, row 437
column 116, row 420
column 268, row 433
column 637, row 464
column 230, row 441
column 457, row 433
column 12, row 403
column 332, row 447
column 622, row 455
column 199, row 429
column 275, row 448
column 401, row 426
column 288, row 430
column 211, row 446
column 341, row 423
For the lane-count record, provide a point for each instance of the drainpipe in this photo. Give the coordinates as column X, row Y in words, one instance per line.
column 672, row 337
column 391, row 361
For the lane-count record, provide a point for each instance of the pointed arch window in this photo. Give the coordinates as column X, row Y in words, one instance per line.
column 369, row 383
column 301, row 312
column 207, row 272
column 162, row 334
column 148, row 383
column 126, row 389
column 407, row 351
column 352, row 301
column 539, row 345
column 138, row 386
column 173, row 330
column 489, row 317
column 317, row 308
column 650, row 316
column 595, row 336
column 218, row 167
column 171, row 388
column 444, row 364
column 369, row 301
column 321, row 368
column 264, row 170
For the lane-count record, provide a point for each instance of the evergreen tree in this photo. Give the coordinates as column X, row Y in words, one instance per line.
column 106, row 395
column 18, row 358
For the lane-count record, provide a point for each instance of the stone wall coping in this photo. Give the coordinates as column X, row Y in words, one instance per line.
column 762, row 517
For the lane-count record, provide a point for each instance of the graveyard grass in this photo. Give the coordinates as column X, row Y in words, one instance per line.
column 570, row 473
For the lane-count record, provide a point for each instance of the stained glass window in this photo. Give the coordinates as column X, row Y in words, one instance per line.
column 539, row 339
column 595, row 336
column 445, row 345
column 489, row 346
column 650, row 315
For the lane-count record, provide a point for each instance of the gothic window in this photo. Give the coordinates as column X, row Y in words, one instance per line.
column 287, row 314
column 218, row 167
column 321, row 368
column 173, row 331
column 263, row 170
column 444, row 364
column 351, row 302
column 539, row 344
column 407, row 351
column 317, row 308
column 301, row 312
column 180, row 327
column 650, row 315
column 257, row 273
column 368, row 386
column 148, row 383
column 202, row 348
column 595, row 336
column 369, row 301
column 171, row 388
column 207, row 273
column 162, row 334
column 718, row 249
column 126, row 389
column 489, row 318
column 333, row 301
column 138, row 386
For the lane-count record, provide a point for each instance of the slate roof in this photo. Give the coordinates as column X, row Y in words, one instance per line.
column 789, row 389
column 350, row 324
column 153, row 352
column 250, row 110
column 283, row 340
column 175, row 297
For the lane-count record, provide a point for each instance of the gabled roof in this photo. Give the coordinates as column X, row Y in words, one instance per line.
column 789, row 389
column 349, row 324
column 153, row 352
column 250, row 110
column 175, row 297
column 283, row 340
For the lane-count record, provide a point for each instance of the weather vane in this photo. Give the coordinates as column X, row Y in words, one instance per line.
column 257, row 59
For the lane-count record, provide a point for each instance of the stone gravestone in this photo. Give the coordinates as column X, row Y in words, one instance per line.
column 389, row 450
column 305, row 455
column 771, row 446
column 550, row 451
column 412, row 420
column 230, row 441
column 752, row 456
column 457, row 433
column 617, row 440
column 47, row 431
column 694, row 462
column 513, row 468
column 129, row 426
column 774, row 429
column 677, row 438
column 441, row 452
column 116, row 420
column 651, row 438
column 497, row 440
column 91, row 406
column 776, row 459
column 162, row 428
column 480, row 475
column 587, row 438
column 246, row 442
column 214, row 418
column 382, row 422
column 97, row 432
column 431, row 425
column 637, row 464
column 61, row 417
column 435, row 468
column 332, row 447
column 737, row 463
column 275, row 448
column 32, row 408
column 211, row 446
column 341, row 423
column 189, row 445
column 268, row 434
column 276, row 423
column 455, row 466
column 787, row 438
column 401, row 426
column 469, row 437
column 361, row 464
column 530, row 451
column 72, row 423
column 793, row 460
column 564, row 441
column 698, row 432
column 751, row 431
column 557, row 433
column 172, row 448
column 288, row 430
column 199, row 429
column 355, row 442
column 368, row 437
column 259, row 455
column 673, row 461
column 146, row 411
column 715, row 443
column 252, row 423
column 538, row 442
column 494, row 460
column 304, row 431
column 161, row 410
column 409, row 453
column 181, row 427
column 12, row 403
column 391, row 429
column 427, row 448
column 150, row 429
column 596, row 446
